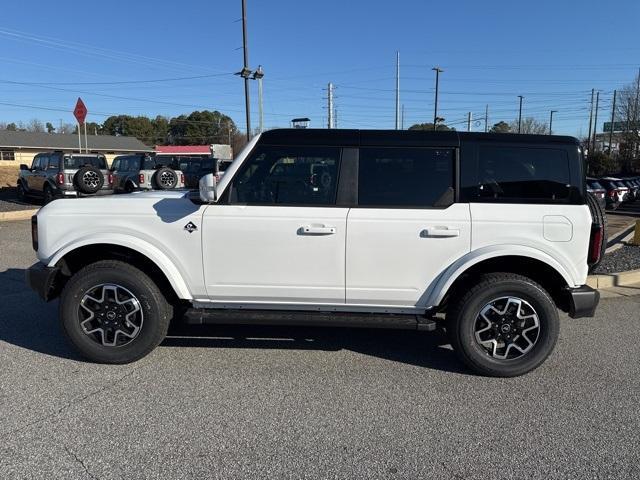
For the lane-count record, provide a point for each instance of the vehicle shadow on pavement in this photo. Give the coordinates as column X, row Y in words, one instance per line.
column 30, row 323
column 27, row 321
column 423, row 349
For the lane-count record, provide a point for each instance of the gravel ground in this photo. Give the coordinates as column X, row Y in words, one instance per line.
column 289, row 403
column 9, row 202
column 623, row 259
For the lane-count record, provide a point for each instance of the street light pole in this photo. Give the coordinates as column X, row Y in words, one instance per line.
column 595, row 120
column 245, row 70
column 259, row 75
column 551, row 121
column 613, row 118
column 438, row 70
column 520, row 114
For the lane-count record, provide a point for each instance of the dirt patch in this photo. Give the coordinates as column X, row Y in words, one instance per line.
column 8, row 176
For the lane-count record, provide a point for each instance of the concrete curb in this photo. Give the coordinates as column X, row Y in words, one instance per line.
column 17, row 215
column 614, row 242
column 618, row 279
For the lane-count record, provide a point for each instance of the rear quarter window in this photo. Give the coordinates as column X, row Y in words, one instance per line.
column 518, row 174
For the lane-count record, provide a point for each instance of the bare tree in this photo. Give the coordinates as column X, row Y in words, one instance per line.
column 35, row 125
column 530, row 125
column 66, row 128
column 627, row 117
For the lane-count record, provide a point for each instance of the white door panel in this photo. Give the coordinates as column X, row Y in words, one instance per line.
column 274, row 253
column 393, row 255
column 561, row 231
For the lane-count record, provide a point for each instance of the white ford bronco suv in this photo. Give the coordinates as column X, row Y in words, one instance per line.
column 487, row 235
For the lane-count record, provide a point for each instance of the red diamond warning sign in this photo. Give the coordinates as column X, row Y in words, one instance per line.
column 80, row 112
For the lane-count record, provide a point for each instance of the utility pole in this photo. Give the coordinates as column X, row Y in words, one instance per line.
column 520, row 114
column 330, row 105
column 438, row 71
column 486, row 118
column 397, row 90
column 245, row 70
column 595, row 120
column 635, row 113
column 590, row 121
column 613, row 117
column 402, row 118
column 551, row 121
column 258, row 75
column 468, row 121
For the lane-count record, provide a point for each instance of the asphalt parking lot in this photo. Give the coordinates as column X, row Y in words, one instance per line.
column 233, row 402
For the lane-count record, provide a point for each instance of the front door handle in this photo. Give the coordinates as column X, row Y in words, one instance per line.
column 439, row 232
column 316, row 230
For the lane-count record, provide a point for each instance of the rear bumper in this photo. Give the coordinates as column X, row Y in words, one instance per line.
column 73, row 193
column 583, row 301
column 41, row 279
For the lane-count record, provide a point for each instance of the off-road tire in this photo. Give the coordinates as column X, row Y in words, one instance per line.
column 598, row 217
column 165, row 178
column 463, row 311
column 47, row 195
column 88, row 179
column 157, row 312
column 20, row 192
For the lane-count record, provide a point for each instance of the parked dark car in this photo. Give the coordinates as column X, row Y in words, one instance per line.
column 634, row 189
column 615, row 194
column 57, row 175
column 598, row 191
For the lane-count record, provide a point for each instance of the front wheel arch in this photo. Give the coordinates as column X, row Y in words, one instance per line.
column 78, row 258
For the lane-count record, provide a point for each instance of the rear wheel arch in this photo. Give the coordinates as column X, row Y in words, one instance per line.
column 540, row 272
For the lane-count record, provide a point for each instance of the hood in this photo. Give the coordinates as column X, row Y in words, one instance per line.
column 155, row 202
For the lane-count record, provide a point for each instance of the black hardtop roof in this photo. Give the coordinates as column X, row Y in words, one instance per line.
column 352, row 137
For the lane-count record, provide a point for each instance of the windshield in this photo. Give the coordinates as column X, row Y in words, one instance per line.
column 78, row 161
column 595, row 186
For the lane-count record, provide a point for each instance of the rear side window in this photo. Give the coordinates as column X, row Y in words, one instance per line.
column 289, row 176
column 517, row 174
column 54, row 163
column 78, row 161
column 405, row 177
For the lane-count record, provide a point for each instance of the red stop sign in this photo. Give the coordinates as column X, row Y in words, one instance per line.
column 80, row 112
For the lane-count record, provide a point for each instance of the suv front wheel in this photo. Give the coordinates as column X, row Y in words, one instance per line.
column 112, row 312
column 504, row 326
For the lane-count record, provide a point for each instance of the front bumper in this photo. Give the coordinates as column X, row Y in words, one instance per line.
column 583, row 301
column 42, row 280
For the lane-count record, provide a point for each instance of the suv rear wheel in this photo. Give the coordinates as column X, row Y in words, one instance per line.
column 20, row 193
column 112, row 312
column 47, row 194
column 504, row 326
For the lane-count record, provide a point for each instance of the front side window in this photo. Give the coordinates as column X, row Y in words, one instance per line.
column 518, row 173
column 407, row 177
column 289, row 176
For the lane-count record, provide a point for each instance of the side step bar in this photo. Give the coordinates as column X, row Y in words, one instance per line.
column 208, row 316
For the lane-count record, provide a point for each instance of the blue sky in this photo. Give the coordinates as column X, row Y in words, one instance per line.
column 552, row 52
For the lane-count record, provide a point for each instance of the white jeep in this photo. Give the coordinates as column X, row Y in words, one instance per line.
column 487, row 235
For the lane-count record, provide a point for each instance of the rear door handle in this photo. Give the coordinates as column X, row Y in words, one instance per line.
column 439, row 232
column 316, row 230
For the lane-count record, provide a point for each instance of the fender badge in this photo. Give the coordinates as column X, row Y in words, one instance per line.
column 190, row 227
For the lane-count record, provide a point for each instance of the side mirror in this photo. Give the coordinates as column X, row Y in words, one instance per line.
column 24, row 167
column 207, row 185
